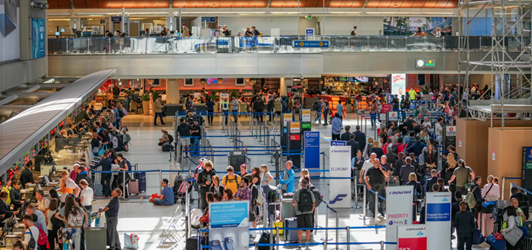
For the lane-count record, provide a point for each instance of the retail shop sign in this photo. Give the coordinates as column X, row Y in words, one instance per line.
column 116, row 19
column 425, row 63
column 310, row 44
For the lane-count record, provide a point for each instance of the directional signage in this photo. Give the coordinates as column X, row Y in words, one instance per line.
column 309, row 32
column 425, row 63
column 338, row 143
column 310, row 44
column 208, row 19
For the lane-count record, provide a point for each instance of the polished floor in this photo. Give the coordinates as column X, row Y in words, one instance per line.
column 149, row 221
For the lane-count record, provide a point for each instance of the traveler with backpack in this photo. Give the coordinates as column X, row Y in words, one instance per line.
column 230, row 180
column 511, row 230
column 465, row 226
column 514, row 202
column 184, row 135
column 216, row 187
column 205, row 182
column 462, row 174
column 522, row 200
column 304, row 201
column 165, row 138
column 41, row 219
column 474, row 198
column 32, row 233
column 244, row 193
column 75, row 218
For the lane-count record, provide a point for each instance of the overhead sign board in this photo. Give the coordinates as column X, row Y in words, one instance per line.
column 310, row 44
column 425, row 63
column 208, row 19
column 312, row 151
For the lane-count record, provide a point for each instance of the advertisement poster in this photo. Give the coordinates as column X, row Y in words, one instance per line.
column 312, row 151
column 414, row 237
column 340, row 166
column 229, row 224
column 37, row 38
column 449, row 136
column 400, row 213
column 9, row 30
column 398, row 84
column 409, row 25
column 438, row 211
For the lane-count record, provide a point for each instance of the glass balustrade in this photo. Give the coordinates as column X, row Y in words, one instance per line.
column 283, row 44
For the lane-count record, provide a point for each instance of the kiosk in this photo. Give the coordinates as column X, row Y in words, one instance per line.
column 306, row 120
column 287, row 117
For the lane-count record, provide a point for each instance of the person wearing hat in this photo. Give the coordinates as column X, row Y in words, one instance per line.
column 74, row 171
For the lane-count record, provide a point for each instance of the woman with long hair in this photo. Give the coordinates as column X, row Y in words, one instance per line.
column 255, row 173
column 448, row 168
column 266, row 177
column 418, row 192
column 431, row 158
column 228, row 195
column 216, row 186
column 74, row 216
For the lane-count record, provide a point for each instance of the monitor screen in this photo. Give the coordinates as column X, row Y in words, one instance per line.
column 62, row 30
column 362, row 79
column 57, row 33
column 240, row 81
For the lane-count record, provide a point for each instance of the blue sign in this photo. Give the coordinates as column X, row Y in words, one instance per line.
column 37, row 38
column 529, row 153
column 438, row 212
column 310, row 44
column 229, row 214
column 312, row 150
column 116, row 19
column 338, row 143
column 208, row 19
column 309, row 32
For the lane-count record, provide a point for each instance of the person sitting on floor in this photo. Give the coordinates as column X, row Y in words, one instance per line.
column 167, row 195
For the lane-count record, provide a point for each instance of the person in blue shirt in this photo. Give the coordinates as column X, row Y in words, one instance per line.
column 167, row 195
column 111, row 214
column 416, row 147
column 336, row 127
column 287, row 178
column 106, row 163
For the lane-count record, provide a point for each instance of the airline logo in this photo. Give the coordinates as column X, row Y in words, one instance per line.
column 338, row 198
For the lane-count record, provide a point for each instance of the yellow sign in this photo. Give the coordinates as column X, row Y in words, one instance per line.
column 294, row 125
column 301, row 44
column 306, row 112
column 321, row 44
column 287, row 116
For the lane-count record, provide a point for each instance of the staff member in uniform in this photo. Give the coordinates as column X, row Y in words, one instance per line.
column 111, row 214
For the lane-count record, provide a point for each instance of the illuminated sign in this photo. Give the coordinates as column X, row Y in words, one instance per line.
column 27, row 157
column 52, row 133
column 34, row 151
column 61, row 124
column 43, row 143
column 425, row 63
column 398, row 84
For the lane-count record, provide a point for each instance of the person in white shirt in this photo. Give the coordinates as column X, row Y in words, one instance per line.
column 67, row 186
column 31, row 231
column 439, row 129
column 42, row 203
column 87, row 195
column 52, row 209
column 426, row 123
column 367, row 165
column 491, row 191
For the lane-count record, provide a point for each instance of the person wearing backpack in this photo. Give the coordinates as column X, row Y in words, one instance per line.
column 304, row 202
column 40, row 222
column 74, row 217
column 32, row 233
column 474, row 198
column 462, row 174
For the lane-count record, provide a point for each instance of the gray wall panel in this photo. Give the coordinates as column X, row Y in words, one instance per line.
column 16, row 73
column 245, row 64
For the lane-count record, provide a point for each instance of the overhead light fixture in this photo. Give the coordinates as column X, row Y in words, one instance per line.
column 94, row 14
column 283, row 12
column 224, row 12
column 148, row 13
column 58, row 14
column 410, row 13
column 345, row 12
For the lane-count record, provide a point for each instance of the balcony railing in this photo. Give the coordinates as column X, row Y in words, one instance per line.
column 210, row 45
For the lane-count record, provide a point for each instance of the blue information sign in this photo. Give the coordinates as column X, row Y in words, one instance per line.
column 209, row 19
column 310, row 44
column 312, row 150
column 309, row 32
column 338, row 143
column 229, row 214
column 438, row 212
column 116, row 19
column 37, row 38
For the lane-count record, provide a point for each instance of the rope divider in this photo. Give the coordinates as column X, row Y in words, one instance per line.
column 520, row 188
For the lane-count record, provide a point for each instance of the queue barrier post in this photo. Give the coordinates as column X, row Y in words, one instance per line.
column 160, row 181
column 364, row 204
column 348, row 237
column 326, row 224
column 503, row 185
column 376, row 204
column 124, row 184
column 382, row 245
column 278, row 239
column 337, row 231
column 325, row 245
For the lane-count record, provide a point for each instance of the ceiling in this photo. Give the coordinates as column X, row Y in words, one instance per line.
column 105, row 4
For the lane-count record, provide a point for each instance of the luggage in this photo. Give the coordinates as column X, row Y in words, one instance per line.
column 131, row 241
column 265, row 239
column 272, row 208
column 393, row 181
column 291, row 235
column 287, row 208
column 141, row 177
column 486, row 224
column 527, row 242
column 167, row 147
column 133, row 187
column 278, row 224
column 229, row 243
column 192, row 243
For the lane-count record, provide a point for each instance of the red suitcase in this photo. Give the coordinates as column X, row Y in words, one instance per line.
column 486, row 224
column 133, row 187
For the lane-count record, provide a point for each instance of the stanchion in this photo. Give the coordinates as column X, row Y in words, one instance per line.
column 364, row 204
column 356, row 194
column 160, row 181
column 278, row 239
column 326, row 225
column 503, row 185
column 124, row 184
column 337, row 231
column 382, row 245
column 376, row 205
column 348, row 237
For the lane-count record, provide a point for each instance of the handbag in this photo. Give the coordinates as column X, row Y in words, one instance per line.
column 513, row 235
column 478, row 238
column 100, row 153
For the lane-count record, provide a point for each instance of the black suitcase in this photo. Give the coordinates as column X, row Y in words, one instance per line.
column 265, row 239
column 192, row 244
column 167, row 147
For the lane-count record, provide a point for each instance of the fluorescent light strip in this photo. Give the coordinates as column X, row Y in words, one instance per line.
column 410, row 13
column 58, row 14
column 225, row 12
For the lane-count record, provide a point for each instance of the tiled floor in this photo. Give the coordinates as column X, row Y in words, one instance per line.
column 148, row 221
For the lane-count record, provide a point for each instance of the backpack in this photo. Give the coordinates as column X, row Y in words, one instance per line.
column 31, row 244
column 305, row 201
column 317, row 196
column 43, row 238
column 470, row 198
column 121, row 113
column 395, row 148
column 170, row 138
column 316, row 105
column 259, row 199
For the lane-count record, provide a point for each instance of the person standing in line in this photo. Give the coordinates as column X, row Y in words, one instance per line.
column 210, row 110
column 158, row 110
column 351, row 142
column 87, row 195
column 68, row 186
column 106, row 163
column 318, row 106
column 287, row 178
column 185, row 31
column 256, row 33
column 234, row 108
column 230, row 180
column 464, row 222
column 184, row 136
column 376, row 180
column 205, row 183
column 340, row 109
column 491, row 191
column 326, row 112
column 336, row 127
column 244, row 193
column 462, row 174
column 111, row 214
column 31, row 231
column 42, row 203
column 304, row 202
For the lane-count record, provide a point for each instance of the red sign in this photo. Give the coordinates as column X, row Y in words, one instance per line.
column 295, row 137
column 412, row 243
column 386, row 107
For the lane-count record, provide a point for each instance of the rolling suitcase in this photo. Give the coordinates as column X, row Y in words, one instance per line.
column 291, row 235
column 287, row 208
column 192, row 244
column 141, row 178
column 486, row 224
column 133, row 187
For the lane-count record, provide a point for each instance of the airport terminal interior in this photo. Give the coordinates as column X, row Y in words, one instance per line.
column 265, row 124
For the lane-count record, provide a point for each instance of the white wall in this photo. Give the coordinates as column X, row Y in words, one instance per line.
column 344, row 25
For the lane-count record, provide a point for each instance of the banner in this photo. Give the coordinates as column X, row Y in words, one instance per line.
column 9, row 30
column 409, row 25
column 414, row 237
column 398, row 211
column 312, row 151
column 398, row 84
column 229, row 224
column 37, row 38
column 340, row 166
column 438, row 211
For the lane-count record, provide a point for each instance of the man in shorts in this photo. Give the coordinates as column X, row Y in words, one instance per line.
column 304, row 201
column 184, row 135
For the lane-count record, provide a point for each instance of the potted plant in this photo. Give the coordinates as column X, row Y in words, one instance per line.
column 146, row 103
column 349, row 105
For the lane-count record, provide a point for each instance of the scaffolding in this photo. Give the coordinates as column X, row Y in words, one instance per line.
column 508, row 58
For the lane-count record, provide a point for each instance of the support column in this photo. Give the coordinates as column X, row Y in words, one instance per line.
column 172, row 91
column 282, row 87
